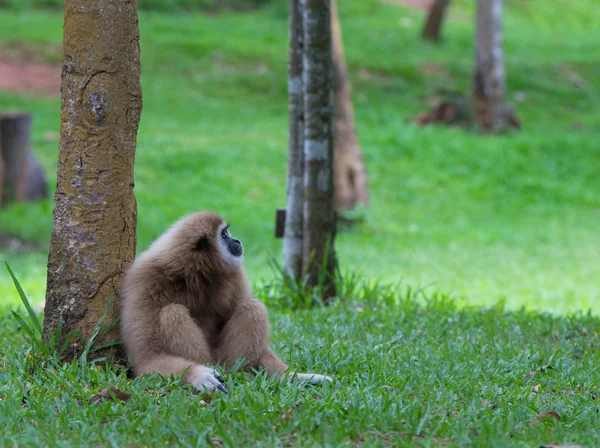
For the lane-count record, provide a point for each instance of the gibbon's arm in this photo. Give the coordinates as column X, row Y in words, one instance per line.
column 181, row 336
column 185, row 347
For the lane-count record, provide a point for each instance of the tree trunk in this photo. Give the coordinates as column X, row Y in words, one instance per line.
column 435, row 18
column 24, row 178
column 292, row 243
column 489, row 109
column 349, row 171
column 94, row 220
column 319, row 216
column 2, row 180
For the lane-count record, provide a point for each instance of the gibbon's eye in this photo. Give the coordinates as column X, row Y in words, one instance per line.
column 225, row 232
column 202, row 243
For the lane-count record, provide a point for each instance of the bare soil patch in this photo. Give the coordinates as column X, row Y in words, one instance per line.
column 30, row 69
column 29, row 77
column 417, row 4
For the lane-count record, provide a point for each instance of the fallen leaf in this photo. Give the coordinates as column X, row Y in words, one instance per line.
column 205, row 398
column 540, row 369
column 288, row 414
column 552, row 414
column 561, row 446
column 389, row 388
column 473, row 432
column 216, row 441
column 110, row 394
column 543, row 416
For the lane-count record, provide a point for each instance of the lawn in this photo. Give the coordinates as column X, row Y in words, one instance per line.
column 509, row 219
column 406, row 374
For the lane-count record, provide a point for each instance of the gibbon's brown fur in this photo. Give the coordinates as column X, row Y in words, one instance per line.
column 187, row 304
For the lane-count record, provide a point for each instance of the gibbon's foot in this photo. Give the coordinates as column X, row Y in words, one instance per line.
column 205, row 378
column 311, row 378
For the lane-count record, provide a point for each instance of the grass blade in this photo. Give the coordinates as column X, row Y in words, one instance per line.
column 37, row 340
column 32, row 314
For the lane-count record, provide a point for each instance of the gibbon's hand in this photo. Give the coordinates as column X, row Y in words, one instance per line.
column 205, row 378
column 312, row 378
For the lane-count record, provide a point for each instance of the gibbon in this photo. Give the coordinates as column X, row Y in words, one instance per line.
column 187, row 305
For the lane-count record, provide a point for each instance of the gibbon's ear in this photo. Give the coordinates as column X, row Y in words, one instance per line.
column 202, row 243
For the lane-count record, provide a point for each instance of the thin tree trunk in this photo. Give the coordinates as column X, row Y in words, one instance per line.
column 489, row 109
column 435, row 18
column 94, row 220
column 319, row 216
column 349, row 171
column 292, row 243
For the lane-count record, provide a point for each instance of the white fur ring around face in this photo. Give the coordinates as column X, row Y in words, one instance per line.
column 205, row 378
column 312, row 378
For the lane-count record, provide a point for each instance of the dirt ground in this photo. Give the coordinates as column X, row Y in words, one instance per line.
column 29, row 77
column 20, row 74
column 417, row 4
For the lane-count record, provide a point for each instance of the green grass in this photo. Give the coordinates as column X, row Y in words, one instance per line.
column 409, row 370
column 510, row 218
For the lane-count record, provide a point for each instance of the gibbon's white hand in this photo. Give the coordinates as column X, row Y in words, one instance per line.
column 205, row 378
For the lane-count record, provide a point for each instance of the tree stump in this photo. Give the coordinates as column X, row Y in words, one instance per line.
column 23, row 178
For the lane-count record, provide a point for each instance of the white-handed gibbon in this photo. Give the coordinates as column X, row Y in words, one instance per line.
column 187, row 305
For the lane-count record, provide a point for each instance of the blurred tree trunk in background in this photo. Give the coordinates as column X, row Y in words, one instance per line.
column 319, row 215
column 349, row 171
column 94, row 220
column 292, row 242
column 489, row 86
column 435, row 18
column 24, row 178
column 2, row 177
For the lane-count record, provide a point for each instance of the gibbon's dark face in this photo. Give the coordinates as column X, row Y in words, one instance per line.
column 233, row 245
column 210, row 240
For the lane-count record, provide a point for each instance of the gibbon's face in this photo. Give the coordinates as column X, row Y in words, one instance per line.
column 212, row 241
column 231, row 249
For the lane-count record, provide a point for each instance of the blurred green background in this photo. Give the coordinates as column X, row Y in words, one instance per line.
column 512, row 217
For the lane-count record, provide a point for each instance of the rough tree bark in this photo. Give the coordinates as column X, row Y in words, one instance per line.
column 319, row 216
column 489, row 107
column 292, row 242
column 435, row 18
column 24, row 178
column 94, row 220
column 350, row 178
